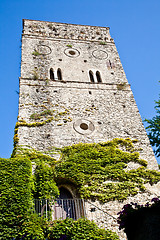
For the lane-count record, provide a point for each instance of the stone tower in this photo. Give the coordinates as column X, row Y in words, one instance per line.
column 73, row 89
column 74, row 71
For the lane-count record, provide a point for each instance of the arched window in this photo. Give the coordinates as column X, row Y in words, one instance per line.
column 64, row 193
column 51, row 74
column 59, row 74
column 65, row 206
column 91, row 76
column 99, row 80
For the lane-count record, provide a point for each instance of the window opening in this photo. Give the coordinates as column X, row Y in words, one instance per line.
column 99, row 80
column 84, row 126
column 110, row 64
column 51, row 74
column 65, row 207
column 91, row 76
column 59, row 74
column 72, row 52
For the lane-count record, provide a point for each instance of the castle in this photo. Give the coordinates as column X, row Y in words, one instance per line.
column 74, row 71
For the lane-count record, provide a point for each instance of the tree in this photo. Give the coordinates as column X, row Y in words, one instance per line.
column 154, row 129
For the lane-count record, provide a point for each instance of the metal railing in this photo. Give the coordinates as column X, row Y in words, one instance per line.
column 60, row 208
column 72, row 208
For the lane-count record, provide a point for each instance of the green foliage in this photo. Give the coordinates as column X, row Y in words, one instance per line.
column 97, row 170
column 81, row 229
column 34, row 124
column 33, row 228
column 45, row 113
column 45, row 186
column 121, row 86
column 44, row 183
column 154, row 129
column 36, row 53
column 16, row 185
column 102, row 43
column 69, row 45
column 35, row 74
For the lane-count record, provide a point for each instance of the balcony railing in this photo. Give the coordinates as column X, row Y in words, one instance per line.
column 60, row 208
column 72, row 208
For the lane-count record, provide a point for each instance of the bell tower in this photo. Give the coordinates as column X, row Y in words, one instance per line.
column 73, row 89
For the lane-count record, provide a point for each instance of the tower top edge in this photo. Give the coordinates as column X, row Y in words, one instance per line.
column 60, row 23
column 66, row 31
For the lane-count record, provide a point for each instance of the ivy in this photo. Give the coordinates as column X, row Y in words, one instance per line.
column 16, row 185
column 97, row 170
column 45, row 186
column 36, row 53
column 81, row 229
column 37, row 116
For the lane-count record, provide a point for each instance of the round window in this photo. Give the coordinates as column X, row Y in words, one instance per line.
column 83, row 126
column 72, row 52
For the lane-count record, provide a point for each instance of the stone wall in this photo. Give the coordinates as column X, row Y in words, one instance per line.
column 61, row 112
column 66, row 31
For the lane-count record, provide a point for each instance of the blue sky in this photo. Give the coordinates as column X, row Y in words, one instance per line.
column 134, row 25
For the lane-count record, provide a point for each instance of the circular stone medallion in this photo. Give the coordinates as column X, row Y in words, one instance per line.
column 100, row 54
column 71, row 52
column 43, row 49
column 83, row 126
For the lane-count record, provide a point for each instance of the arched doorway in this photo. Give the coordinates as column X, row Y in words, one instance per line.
column 65, row 205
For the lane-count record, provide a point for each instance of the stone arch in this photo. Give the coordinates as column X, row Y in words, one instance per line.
column 52, row 77
column 98, row 75
column 59, row 74
column 65, row 193
column 68, row 205
column 91, row 76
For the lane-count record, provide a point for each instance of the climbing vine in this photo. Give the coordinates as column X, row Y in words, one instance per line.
column 99, row 171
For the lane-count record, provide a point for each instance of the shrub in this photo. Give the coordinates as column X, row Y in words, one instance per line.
column 16, row 185
column 81, row 229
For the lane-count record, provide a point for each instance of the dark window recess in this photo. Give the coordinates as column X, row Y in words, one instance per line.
column 59, row 74
column 72, row 52
column 99, row 80
column 91, row 76
column 51, row 74
column 110, row 64
column 84, row 126
column 90, row 92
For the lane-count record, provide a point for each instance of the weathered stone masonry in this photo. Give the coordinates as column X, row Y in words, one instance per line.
column 82, row 110
column 109, row 107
